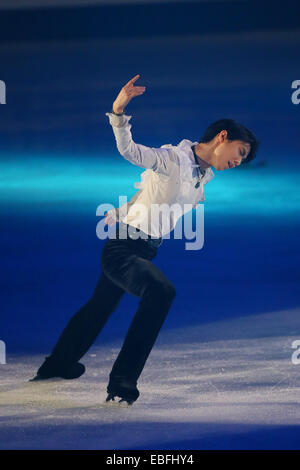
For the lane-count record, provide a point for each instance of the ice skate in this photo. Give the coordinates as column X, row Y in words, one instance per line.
column 111, row 398
column 50, row 370
column 124, row 389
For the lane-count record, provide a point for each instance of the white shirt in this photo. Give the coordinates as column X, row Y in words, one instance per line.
column 170, row 176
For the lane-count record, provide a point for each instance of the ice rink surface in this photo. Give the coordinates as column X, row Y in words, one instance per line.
column 225, row 385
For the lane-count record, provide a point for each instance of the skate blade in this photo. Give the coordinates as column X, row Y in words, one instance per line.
column 35, row 379
column 123, row 402
column 128, row 402
column 38, row 378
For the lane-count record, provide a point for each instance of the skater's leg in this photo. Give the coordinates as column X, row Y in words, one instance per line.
column 140, row 277
column 84, row 327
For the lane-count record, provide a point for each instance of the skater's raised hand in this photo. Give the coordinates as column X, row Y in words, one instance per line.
column 128, row 92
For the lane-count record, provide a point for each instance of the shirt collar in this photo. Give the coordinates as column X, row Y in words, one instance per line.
column 199, row 162
column 194, row 162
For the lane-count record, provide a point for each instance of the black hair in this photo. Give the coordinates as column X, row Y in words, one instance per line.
column 235, row 131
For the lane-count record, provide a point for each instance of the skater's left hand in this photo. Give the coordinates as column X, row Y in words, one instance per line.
column 126, row 94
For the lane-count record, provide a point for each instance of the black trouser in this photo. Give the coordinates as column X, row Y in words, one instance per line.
column 126, row 267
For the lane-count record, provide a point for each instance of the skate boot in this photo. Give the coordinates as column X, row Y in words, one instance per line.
column 123, row 388
column 50, row 369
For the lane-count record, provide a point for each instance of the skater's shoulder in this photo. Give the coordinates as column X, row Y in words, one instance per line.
column 185, row 148
column 186, row 143
column 183, row 145
column 184, row 151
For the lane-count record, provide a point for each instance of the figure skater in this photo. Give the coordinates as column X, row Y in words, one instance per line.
column 173, row 174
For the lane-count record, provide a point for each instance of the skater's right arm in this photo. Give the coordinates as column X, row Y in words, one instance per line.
column 157, row 159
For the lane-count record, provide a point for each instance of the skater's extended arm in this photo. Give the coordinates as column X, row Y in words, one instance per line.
column 157, row 159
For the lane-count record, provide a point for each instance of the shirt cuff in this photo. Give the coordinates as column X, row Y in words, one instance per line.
column 118, row 121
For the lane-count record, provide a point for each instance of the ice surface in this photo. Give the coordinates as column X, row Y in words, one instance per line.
column 227, row 384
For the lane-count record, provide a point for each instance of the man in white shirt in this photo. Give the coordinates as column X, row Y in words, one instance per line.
column 174, row 176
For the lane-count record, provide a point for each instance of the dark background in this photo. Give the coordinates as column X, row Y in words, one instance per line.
column 200, row 61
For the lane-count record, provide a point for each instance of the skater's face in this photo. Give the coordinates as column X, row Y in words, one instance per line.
column 228, row 154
